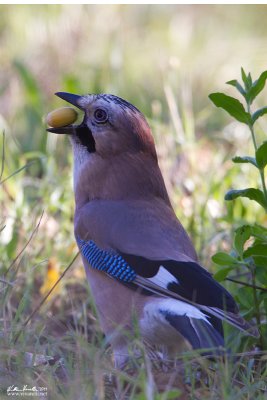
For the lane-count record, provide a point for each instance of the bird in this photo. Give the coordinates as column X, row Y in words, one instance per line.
column 140, row 263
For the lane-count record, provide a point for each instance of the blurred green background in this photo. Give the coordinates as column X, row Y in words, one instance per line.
column 165, row 59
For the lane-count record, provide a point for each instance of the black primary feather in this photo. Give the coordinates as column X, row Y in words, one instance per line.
column 191, row 281
column 199, row 333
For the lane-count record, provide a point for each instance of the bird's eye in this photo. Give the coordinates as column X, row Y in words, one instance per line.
column 100, row 115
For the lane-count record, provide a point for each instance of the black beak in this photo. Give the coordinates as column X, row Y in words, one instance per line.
column 81, row 132
column 74, row 100
column 65, row 130
column 70, row 98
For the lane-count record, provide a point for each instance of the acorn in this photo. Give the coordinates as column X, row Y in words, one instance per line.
column 61, row 117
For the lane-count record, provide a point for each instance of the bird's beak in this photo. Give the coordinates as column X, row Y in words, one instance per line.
column 74, row 100
column 70, row 98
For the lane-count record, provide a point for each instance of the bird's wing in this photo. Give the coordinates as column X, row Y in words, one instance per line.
column 146, row 228
column 142, row 246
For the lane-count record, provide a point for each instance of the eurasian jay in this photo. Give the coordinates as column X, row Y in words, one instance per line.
column 139, row 260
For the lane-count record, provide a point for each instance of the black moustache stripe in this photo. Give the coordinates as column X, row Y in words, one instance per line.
column 84, row 134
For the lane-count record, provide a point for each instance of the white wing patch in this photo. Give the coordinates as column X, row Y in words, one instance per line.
column 175, row 307
column 163, row 278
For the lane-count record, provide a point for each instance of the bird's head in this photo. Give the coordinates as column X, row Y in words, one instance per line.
column 113, row 148
column 111, row 126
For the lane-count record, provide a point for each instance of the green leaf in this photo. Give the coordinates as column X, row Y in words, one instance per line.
column 232, row 106
column 260, row 233
column 222, row 258
column 263, row 296
column 260, row 261
column 220, row 275
column 251, row 193
column 245, row 159
column 249, row 79
column 257, row 86
column 245, row 296
column 238, row 86
column 242, row 234
column 246, row 79
column 261, row 155
column 258, row 229
column 258, row 252
column 259, row 113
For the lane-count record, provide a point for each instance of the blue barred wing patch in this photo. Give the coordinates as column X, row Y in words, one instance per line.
column 106, row 261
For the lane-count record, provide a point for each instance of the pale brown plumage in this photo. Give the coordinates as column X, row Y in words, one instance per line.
column 123, row 210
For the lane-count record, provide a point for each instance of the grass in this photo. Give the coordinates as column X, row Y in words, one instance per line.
column 165, row 60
